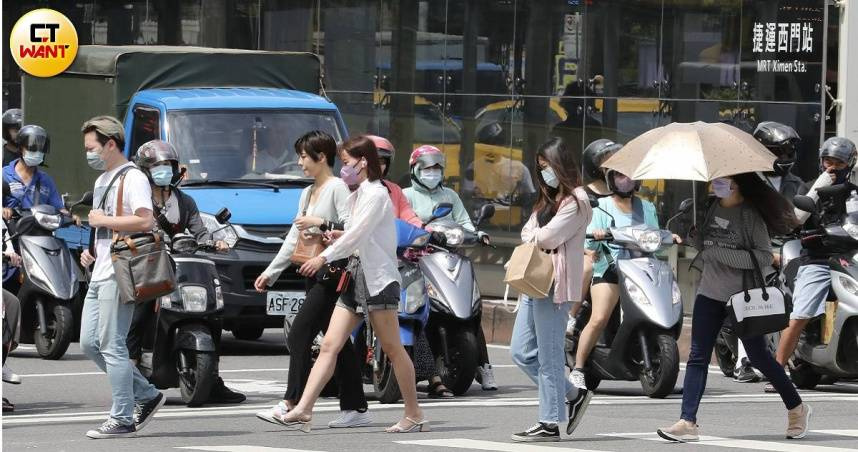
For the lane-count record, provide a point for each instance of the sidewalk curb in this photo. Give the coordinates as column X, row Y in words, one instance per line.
column 498, row 322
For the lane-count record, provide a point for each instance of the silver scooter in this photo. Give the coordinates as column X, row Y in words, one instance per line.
column 455, row 301
column 640, row 341
column 50, row 280
column 829, row 347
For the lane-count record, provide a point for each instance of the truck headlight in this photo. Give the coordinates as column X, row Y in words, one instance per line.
column 49, row 222
column 218, row 294
column 194, row 298
column 636, row 293
column 219, row 231
column 649, row 241
column 415, row 296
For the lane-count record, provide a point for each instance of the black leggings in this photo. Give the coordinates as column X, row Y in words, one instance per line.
column 314, row 316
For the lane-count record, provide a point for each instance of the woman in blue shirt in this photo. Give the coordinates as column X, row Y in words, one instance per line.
column 626, row 210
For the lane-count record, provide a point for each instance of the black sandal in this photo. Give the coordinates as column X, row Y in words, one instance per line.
column 8, row 406
column 437, row 390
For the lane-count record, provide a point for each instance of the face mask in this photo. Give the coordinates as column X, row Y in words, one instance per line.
column 624, row 185
column 550, row 178
column 350, row 174
column 33, row 158
column 430, row 177
column 93, row 159
column 162, row 176
column 722, row 188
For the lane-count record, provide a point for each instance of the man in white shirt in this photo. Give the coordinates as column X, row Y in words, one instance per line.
column 105, row 320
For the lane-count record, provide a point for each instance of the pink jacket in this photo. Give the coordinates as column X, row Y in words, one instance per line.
column 565, row 233
column 401, row 208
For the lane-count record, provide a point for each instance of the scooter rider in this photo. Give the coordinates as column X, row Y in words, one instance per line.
column 426, row 191
column 782, row 141
column 174, row 212
column 837, row 159
column 13, row 119
column 30, row 186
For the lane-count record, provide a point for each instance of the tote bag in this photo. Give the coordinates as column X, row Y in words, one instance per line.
column 530, row 270
column 309, row 245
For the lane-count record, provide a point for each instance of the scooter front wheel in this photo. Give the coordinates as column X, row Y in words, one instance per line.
column 660, row 380
column 459, row 373
column 196, row 375
column 60, row 323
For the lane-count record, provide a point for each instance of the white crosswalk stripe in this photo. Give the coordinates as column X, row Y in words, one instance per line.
column 473, row 444
column 244, row 448
column 716, row 441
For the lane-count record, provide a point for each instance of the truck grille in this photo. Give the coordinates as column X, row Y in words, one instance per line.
column 289, row 279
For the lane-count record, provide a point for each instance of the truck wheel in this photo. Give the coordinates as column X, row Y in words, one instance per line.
column 55, row 342
column 248, row 333
column 197, row 380
column 659, row 382
column 459, row 374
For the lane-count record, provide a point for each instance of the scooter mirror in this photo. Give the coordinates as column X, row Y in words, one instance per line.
column 804, row 203
column 223, row 215
column 686, row 205
column 85, row 200
column 441, row 210
column 486, row 212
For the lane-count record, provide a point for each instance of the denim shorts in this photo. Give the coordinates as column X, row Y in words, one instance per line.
column 357, row 299
column 812, row 283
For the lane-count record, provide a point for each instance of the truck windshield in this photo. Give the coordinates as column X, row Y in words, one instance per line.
column 244, row 144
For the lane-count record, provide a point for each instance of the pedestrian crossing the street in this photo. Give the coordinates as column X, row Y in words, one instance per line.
column 710, row 443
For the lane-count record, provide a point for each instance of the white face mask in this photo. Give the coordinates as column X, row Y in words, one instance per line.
column 549, row 177
column 430, row 177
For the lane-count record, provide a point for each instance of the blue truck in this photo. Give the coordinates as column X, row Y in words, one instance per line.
column 232, row 115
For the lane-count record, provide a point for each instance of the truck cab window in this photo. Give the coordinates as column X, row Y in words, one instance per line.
column 146, row 127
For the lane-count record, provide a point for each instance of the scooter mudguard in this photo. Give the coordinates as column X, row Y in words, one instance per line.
column 194, row 337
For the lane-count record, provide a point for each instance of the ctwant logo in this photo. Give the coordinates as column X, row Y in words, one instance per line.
column 43, row 42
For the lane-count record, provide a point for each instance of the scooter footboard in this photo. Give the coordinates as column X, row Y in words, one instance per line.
column 194, row 337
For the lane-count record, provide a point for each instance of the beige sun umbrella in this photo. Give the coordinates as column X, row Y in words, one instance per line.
column 697, row 151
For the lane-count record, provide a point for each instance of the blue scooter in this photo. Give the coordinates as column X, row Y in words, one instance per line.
column 413, row 313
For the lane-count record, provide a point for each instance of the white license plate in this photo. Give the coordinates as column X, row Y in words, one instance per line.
column 285, row 303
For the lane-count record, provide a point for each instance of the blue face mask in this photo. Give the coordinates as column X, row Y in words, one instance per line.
column 162, row 176
column 549, row 177
column 93, row 159
column 33, row 158
column 722, row 187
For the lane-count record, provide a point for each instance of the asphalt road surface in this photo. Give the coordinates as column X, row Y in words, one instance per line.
column 60, row 400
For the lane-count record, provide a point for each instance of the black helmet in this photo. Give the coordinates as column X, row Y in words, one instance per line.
column 34, row 138
column 609, row 180
column 595, row 154
column 157, row 151
column 782, row 141
column 13, row 118
column 840, row 148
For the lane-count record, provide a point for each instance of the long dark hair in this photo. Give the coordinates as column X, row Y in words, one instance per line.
column 362, row 147
column 776, row 210
column 562, row 160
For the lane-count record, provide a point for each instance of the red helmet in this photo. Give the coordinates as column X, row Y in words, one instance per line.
column 383, row 145
column 426, row 156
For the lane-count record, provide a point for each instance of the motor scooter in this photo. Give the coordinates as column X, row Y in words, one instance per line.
column 640, row 341
column 455, row 302
column 180, row 346
column 49, row 279
column 413, row 315
column 828, row 347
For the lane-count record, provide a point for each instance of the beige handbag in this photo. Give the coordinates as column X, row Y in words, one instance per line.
column 530, row 270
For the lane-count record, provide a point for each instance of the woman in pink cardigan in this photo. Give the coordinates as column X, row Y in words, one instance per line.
column 557, row 224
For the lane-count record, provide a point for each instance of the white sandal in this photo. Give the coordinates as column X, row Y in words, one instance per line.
column 421, row 426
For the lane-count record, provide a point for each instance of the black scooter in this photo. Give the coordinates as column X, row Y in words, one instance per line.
column 179, row 349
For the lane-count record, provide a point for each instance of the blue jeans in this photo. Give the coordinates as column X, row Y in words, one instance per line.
column 537, row 347
column 811, row 289
column 104, row 327
column 706, row 321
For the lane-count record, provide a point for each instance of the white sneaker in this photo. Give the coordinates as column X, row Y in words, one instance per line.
column 487, row 377
column 275, row 414
column 351, row 418
column 576, row 377
column 10, row 377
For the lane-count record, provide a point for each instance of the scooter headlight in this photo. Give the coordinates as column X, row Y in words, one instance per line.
column 433, row 292
column 49, row 222
column 636, row 293
column 455, row 235
column 219, row 231
column 194, row 298
column 676, row 293
column 415, row 297
column 649, row 241
column 218, row 294
column 848, row 284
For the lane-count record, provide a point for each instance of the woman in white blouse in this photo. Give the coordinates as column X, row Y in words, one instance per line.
column 323, row 206
column 374, row 289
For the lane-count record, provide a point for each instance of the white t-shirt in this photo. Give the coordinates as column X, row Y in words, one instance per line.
column 136, row 194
